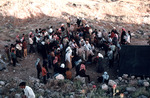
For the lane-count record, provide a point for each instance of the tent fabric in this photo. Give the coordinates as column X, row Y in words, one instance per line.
column 134, row 60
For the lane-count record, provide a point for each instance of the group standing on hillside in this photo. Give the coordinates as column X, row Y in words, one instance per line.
column 69, row 45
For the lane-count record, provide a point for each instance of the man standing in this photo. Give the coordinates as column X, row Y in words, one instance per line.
column 13, row 57
column 31, row 44
column 28, row 92
column 24, row 48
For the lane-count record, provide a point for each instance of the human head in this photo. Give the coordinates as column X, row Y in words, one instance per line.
column 22, row 84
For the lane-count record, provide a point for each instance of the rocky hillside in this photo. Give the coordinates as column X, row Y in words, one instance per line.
column 20, row 16
column 128, row 87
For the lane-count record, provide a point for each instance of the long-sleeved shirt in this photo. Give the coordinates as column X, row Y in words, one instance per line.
column 29, row 92
column 30, row 41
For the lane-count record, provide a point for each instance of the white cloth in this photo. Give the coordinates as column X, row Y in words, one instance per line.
column 59, row 77
column 30, row 41
column 128, row 38
column 87, row 47
column 105, row 76
column 68, row 54
column 100, row 55
column 19, row 46
column 110, row 54
column 38, row 39
column 99, row 34
column 50, row 30
column 109, row 39
column 112, row 47
column 29, row 92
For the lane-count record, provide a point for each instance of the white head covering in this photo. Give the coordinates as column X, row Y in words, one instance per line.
column 62, row 65
column 43, row 43
column 68, row 49
column 100, row 55
column 105, row 76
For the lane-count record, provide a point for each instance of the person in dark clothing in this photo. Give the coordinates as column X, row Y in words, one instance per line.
column 104, row 78
column 123, row 37
column 49, row 58
column 78, row 22
column 43, row 50
column 61, row 68
column 7, row 51
column 100, row 68
column 105, row 46
column 38, row 67
column 13, row 57
column 24, row 46
column 81, row 72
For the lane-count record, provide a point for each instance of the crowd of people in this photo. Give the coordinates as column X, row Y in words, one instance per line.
column 68, row 45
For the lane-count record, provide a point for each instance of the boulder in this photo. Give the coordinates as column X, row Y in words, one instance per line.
column 33, row 80
column 105, row 87
column 41, row 91
column 133, row 82
column 130, row 89
column 17, row 95
column 82, row 79
column 140, row 82
column 132, row 77
column 146, row 84
column 111, row 83
column 2, row 83
column 1, row 91
column 125, row 76
column 12, row 90
column 41, row 97
column 142, row 96
column 120, row 78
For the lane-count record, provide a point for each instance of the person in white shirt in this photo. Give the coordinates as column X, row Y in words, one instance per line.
column 99, row 34
column 31, row 44
column 88, row 50
column 28, row 92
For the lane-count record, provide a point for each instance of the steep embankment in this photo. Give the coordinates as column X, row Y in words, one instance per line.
column 20, row 16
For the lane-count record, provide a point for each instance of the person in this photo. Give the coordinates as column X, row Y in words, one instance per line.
column 38, row 67
column 7, row 52
column 68, row 74
column 148, row 42
column 128, row 37
column 44, row 74
column 13, row 57
column 68, row 57
column 104, row 78
column 100, row 68
column 28, row 92
column 123, row 37
column 81, row 72
column 31, row 44
column 19, row 49
column 24, row 46
column 110, row 57
column 78, row 22
column 49, row 58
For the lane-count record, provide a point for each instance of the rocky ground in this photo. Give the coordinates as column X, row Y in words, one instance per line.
column 18, row 17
